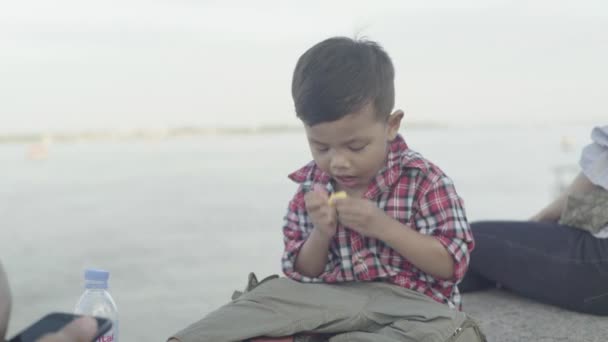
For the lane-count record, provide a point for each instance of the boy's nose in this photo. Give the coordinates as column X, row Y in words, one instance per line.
column 339, row 163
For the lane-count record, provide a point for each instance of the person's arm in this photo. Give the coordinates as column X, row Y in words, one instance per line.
column 310, row 225
column 553, row 211
column 312, row 258
column 423, row 251
column 440, row 243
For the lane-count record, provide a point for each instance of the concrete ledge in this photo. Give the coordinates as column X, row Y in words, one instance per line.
column 505, row 317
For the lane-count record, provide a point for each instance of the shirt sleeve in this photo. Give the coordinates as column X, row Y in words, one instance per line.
column 594, row 158
column 441, row 214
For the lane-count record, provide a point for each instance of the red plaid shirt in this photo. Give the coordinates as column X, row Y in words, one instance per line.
column 413, row 191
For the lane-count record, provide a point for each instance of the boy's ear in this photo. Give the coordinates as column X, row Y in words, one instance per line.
column 393, row 124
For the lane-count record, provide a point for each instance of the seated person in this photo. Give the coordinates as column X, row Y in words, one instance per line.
column 380, row 263
column 560, row 256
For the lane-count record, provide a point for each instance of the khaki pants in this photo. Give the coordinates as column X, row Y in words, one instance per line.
column 353, row 312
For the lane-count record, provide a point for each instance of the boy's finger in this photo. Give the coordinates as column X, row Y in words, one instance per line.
column 329, row 211
column 311, row 197
column 316, row 194
column 313, row 203
column 319, row 189
column 81, row 329
column 342, row 204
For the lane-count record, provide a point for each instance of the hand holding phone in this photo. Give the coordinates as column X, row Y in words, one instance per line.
column 62, row 327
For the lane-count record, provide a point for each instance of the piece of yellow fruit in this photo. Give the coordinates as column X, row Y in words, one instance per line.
column 336, row 195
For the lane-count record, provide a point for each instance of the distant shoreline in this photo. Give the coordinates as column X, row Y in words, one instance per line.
column 151, row 134
column 157, row 134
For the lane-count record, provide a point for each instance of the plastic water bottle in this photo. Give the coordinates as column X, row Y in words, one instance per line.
column 97, row 301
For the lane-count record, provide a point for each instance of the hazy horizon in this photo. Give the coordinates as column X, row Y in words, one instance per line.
column 73, row 65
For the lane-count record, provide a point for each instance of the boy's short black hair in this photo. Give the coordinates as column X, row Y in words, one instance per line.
column 339, row 76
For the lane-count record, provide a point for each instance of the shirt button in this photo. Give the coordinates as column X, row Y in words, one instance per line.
column 361, row 262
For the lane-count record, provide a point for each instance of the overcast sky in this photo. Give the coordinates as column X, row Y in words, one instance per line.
column 79, row 64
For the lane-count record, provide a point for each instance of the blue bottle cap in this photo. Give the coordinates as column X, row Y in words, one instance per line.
column 96, row 274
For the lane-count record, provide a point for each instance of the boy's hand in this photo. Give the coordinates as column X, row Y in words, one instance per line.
column 323, row 216
column 361, row 215
column 79, row 330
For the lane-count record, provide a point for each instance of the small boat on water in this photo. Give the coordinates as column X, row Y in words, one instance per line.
column 39, row 150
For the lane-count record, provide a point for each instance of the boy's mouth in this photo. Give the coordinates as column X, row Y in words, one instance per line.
column 347, row 181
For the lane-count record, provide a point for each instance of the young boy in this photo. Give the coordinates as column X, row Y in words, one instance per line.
column 380, row 264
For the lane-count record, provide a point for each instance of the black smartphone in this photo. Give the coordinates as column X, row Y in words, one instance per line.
column 53, row 322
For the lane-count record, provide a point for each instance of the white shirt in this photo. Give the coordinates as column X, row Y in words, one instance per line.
column 594, row 163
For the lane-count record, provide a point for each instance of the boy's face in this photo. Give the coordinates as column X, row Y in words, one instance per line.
column 353, row 149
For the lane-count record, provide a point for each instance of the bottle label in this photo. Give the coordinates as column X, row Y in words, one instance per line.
column 110, row 336
column 107, row 337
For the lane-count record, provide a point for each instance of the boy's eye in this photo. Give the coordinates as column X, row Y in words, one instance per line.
column 322, row 148
column 357, row 148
